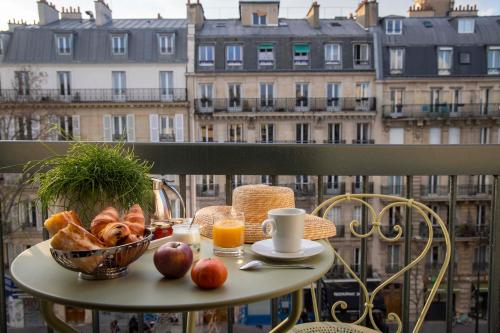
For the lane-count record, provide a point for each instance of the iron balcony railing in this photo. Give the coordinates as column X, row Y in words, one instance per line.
column 302, row 190
column 474, row 189
column 363, row 141
column 393, row 268
column 334, row 141
column 409, row 161
column 434, row 191
column 334, row 188
column 359, row 188
column 94, row 95
column 443, row 110
column 293, row 104
column 464, row 191
column 480, row 266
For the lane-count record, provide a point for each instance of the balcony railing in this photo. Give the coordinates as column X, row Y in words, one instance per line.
column 434, row 191
column 335, row 142
column 480, row 266
column 94, row 95
column 299, row 104
column 302, row 190
column 363, row 141
column 410, row 161
column 211, row 190
column 444, row 110
column 393, row 268
column 474, row 190
column 334, row 188
column 359, row 188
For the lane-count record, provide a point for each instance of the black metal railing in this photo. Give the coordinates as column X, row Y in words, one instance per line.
column 94, row 95
column 211, row 190
column 292, row 104
column 443, row 110
column 467, row 230
column 474, row 190
column 393, row 268
column 358, row 187
column 434, row 191
column 321, row 160
column 480, row 266
column 335, row 142
column 334, row 188
column 302, row 190
column 363, row 141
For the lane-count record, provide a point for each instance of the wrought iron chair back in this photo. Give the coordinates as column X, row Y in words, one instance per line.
column 375, row 229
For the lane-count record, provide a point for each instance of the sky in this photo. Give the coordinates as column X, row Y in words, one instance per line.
column 27, row 9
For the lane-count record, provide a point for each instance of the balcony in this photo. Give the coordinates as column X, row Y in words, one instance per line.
column 480, row 267
column 467, row 230
column 334, row 188
column 205, row 190
column 475, row 191
column 440, row 111
column 303, row 190
column 439, row 192
column 393, row 268
column 393, row 190
column 94, row 95
column 334, row 142
column 363, row 142
column 299, row 104
column 189, row 159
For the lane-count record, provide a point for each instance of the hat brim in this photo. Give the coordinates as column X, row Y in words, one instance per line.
column 314, row 227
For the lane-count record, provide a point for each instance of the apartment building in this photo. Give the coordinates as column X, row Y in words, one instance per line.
column 264, row 79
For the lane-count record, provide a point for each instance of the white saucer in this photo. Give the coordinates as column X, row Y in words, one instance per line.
column 265, row 248
column 159, row 242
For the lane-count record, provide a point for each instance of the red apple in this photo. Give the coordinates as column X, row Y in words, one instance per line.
column 173, row 259
column 209, row 273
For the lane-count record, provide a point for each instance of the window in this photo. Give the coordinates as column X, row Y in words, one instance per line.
column 393, row 252
column 119, row 44
column 333, row 185
column 259, row 19
column 335, row 215
column 235, row 133
column 332, row 54
column 267, row 133
column 234, row 55
column 28, row 214
column 207, row 133
column 485, row 101
column 358, row 210
column 64, row 82
column 207, row 185
column 454, row 135
column 466, row 26
column 393, row 27
column 64, row 44
column 206, row 55
column 333, row 96
column 362, row 96
column 266, row 180
column 119, row 84
column 301, row 54
column 234, row 95
column 435, row 136
column 335, row 133
column 119, row 128
column 302, row 133
column 23, row 83
column 266, row 55
column 481, row 217
column 434, row 257
column 435, row 99
column 302, row 96
column 433, row 183
column 464, row 58
column 481, row 258
column 65, row 130
column 456, row 100
column 484, row 135
column 166, row 43
column 396, row 136
column 494, row 60
column 167, row 129
column 361, row 54
column 266, row 94
column 205, row 95
column 362, row 133
column 395, row 187
column 166, row 85
column 445, row 60
column 302, row 183
column 397, row 99
column 237, row 181
column 357, row 258
column 396, row 60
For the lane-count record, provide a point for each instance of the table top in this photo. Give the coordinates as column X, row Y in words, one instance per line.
column 145, row 290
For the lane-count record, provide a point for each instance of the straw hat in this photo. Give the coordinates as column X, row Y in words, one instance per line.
column 255, row 201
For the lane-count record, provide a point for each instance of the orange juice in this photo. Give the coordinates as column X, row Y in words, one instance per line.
column 228, row 233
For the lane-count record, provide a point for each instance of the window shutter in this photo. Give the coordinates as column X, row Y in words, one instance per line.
column 76, row 127
column 435, row 136
column 454, row 136
column 53, row 128
column 106, row 121
column 153, row 128
column 35, row 127
column 131, row 128
column 397, row 136
column 179, row 127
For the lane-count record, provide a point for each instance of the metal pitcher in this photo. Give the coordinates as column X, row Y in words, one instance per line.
column 163, row 207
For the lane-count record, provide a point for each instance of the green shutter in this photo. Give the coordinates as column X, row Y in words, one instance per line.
column 266, row 46
column 301, row 48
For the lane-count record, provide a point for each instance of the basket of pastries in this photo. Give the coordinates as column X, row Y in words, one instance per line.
column 103, row 252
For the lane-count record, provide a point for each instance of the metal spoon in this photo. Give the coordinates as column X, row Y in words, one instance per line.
column 256, row 264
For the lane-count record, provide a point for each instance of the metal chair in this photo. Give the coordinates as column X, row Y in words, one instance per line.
column 376, row 218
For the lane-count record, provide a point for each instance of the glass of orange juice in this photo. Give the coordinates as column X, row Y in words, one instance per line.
column 229, row 234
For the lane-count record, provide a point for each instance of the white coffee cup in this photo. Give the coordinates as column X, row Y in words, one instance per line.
column 286, row 228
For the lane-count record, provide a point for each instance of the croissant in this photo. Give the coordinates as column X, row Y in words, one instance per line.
column 134, row 219
column 60, row 220
column 75, row 238
column 113, row 233
column 109, row 215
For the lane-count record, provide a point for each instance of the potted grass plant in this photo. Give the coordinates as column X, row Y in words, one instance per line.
column 91, row 177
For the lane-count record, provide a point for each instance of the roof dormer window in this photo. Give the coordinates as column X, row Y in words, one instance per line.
column 119, row 44
column 259, row 19
column 466, row 26
column 394, row 27
column 63, row 44
column 166, row 43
